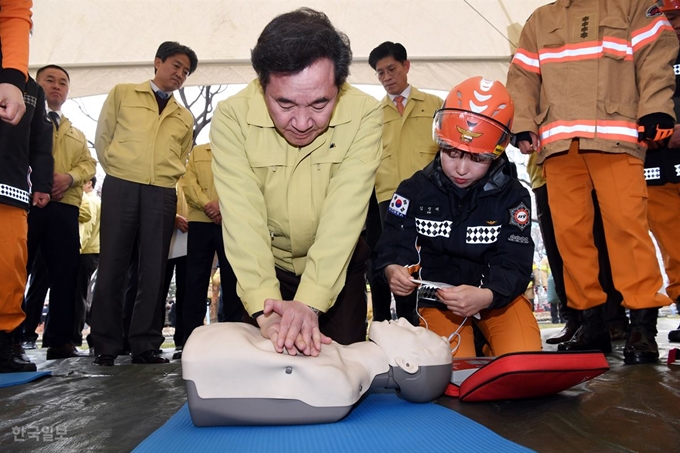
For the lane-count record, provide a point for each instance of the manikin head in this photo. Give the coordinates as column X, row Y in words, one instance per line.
column 410, row 347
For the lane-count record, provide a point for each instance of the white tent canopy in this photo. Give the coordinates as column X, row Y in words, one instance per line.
column 105, row 42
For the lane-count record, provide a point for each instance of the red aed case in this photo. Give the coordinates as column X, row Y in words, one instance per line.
column 526, row 375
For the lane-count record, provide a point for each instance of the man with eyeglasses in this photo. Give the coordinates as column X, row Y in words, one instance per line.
column 407, row 147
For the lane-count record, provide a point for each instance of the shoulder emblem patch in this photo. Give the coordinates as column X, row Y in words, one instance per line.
column 653, row 11
column 520, row 216
column 398, row 205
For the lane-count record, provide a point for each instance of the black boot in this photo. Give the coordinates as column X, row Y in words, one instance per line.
column 11, row 360
column 591, row 336
column 565, row 334
column 674, row 335
column 641, row 345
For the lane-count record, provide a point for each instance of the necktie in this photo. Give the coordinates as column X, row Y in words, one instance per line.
column 54, row 116
column 162, row 94
column 399, row 103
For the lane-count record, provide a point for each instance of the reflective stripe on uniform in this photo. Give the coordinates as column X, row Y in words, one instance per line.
column 610, row 130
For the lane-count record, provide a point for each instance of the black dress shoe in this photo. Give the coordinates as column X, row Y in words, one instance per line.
column 149, row 357
column 566, row 334
column 30, row 344
column 65, row 351
column 104, row 360
column 178, row 354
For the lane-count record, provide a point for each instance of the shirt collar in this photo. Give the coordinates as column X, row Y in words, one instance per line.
column 160, row 92
column 406, row 93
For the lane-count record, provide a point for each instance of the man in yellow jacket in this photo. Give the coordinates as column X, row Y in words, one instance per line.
column 295, row 155
column 54, row 229
column 407, row 147
column 205, row 239
column 89, row 254
column 143, row 139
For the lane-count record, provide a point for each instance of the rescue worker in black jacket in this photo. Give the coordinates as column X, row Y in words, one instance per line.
column 26, row 167
column 463, row 226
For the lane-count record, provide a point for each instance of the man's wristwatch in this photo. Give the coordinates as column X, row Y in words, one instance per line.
column 257, row 314
column 316, row 311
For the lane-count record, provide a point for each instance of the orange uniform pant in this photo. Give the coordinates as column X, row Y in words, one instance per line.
column 663, row 213
column 619, row 182
column 512, row 328
column 13, row 257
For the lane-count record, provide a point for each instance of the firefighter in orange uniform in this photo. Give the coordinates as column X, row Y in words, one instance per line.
column 592, row 84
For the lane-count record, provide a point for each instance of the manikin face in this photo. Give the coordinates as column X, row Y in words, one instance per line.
column 56, row 85
column 301, row 105
column 171, row 73
column 392, row 74
column 410, row 347
column 463, row 169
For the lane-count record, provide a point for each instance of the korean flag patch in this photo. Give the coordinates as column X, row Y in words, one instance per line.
column 398, row 205
column 520, row 216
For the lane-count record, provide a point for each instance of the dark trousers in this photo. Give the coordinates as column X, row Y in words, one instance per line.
column 132, row 278
column 178, row 267
column 555, row 313
column 345, row 322
column 614, row 312
column 205, row 239
column 38, row 285
column 380, row 291
column 88, row 264
column 54, row 230
column 553, row 253
column 145, row 215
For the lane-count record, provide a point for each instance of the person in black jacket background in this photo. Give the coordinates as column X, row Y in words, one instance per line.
column 26, row 166
column 662, row 173
column 463, row 225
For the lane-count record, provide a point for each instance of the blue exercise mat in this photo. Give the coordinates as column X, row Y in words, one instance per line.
column 10, row 379
column 382, row 422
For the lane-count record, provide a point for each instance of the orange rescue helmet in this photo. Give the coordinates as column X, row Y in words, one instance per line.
column 668, row 5
column 476, row 118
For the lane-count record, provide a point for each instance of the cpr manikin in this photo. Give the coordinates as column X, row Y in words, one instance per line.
column 235, row 377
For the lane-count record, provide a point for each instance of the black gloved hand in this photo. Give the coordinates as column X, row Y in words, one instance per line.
column 520, row 137
column 655, row 127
